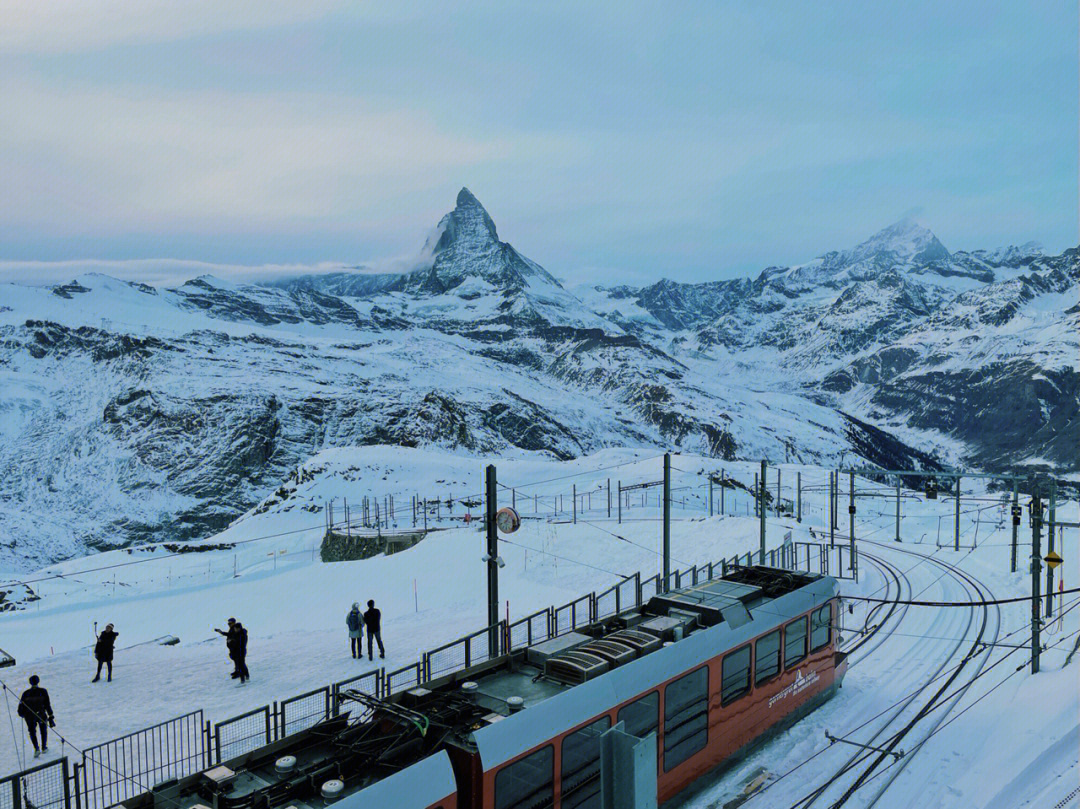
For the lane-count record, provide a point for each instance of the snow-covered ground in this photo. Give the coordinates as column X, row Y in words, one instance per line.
column 987, row 740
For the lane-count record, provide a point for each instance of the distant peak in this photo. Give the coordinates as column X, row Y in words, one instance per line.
column 907, row 240
column 466, row 198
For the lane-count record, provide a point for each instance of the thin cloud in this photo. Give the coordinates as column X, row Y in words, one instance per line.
column 58, row 26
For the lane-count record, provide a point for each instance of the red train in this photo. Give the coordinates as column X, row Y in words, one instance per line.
column 708, row 669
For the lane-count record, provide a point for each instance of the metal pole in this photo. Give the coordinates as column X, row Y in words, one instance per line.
column 667, row 518
column 1050, row 548
column 761, row 510
column 832, row 509
column 956, row 542
column 618, row 491
column 851, row 517
column 776, row 509
column 575, row 503
column 425, row 515
column 897, row 513
column 722, row 487
column 798, row 488
column 710, row 495
column 1015, row 527
column 1036, row 568
column 609, row 498
column 492, row 564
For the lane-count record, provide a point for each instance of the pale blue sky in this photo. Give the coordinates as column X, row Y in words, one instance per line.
column 687, row 140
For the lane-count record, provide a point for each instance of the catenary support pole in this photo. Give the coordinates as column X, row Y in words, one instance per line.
column 618, row 491
column 898, row 513
column 1050, row 547
column 609, row 498
column 710, row 495
column 956, row 528
column 491, row 499
column 761, row 512
column 575, row 503
column 722, row 487
column 1036, row 569
column 667, row 519
column 1015, row 525
column 798, row 489
column 851, row 519
column 832, row 508
column 776, row 509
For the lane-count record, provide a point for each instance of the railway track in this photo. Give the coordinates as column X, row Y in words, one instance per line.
column 887, row 745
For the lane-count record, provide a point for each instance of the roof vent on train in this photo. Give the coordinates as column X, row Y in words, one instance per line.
column 640, row 642
column 575, row 667
column 610, row 650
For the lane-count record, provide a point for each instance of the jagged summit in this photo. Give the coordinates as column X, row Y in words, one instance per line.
column 906, row 241
column 469, row 224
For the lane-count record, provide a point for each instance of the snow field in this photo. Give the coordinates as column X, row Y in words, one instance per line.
column 294, row 607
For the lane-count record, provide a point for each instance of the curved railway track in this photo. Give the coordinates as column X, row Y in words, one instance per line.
column 889, row 744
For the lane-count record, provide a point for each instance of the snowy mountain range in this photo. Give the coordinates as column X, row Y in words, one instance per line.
column 130, row 413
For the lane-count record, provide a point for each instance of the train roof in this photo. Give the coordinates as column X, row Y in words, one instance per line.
column 556, row 708
column 422, row 784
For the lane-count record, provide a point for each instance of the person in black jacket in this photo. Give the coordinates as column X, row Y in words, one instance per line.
column 103, row 651
column 235, row 638
column 36, row 710
column 372, row 620
column 241, row 653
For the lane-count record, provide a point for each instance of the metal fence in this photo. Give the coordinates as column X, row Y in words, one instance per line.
column 649, row 588
column 573, row 615
column 242, row 733
column 369, row 683
column 302, row 711
column 130, row 765
column 403, row 679
column 463, row 652
column 42, row 787
column 530, row 630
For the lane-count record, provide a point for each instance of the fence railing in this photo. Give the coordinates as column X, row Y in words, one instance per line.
column 44, row 786
column 530, row 630
column 133, row 764
column 369, row 683
column 244, row 733
column 302, row 711
column 575, row 614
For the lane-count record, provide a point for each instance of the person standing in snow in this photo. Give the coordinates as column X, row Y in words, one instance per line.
column 355, row 622
column 36, row 710
column 233, row 642
column 372, row 619
column 103, row 651
column 241, row 653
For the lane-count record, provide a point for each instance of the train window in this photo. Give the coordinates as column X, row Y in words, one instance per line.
column 794, row 642
column 819, row 628
column 581, row 766
column 528, row 782
column 767, row 657
column 686, row 717
column 735, row 675
column 642, row 716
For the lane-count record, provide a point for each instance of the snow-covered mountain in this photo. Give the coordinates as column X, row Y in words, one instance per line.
column 129, row 413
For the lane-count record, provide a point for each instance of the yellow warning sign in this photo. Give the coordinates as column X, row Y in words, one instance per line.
column 1052, row 559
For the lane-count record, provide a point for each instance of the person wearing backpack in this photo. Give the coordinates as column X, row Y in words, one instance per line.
column 355, row 623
